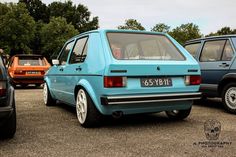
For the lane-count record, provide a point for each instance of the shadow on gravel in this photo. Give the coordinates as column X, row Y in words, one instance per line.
column 129, row 120
column 210, row 102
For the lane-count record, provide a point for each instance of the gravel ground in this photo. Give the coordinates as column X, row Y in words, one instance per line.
column 55, row 131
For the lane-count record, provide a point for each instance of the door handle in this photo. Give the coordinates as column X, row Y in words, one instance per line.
column 224, row 65
column 78, row 69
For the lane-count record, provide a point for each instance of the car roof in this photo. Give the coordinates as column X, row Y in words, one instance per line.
column 209, row 38
column 117, row 31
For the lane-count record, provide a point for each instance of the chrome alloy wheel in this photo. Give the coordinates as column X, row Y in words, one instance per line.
column 45, row 93
column 81, row 106
column 230, row 97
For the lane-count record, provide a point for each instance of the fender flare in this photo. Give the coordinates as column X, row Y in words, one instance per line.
column 89, row 89
column 224, row 80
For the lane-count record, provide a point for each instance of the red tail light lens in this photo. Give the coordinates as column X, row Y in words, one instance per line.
column 2, row 88
column 19, row 72
column 114, row 81
column 193, row 80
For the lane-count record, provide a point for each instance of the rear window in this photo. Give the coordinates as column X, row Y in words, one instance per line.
column 31, row 61
column 134, row 46
column 193, row 48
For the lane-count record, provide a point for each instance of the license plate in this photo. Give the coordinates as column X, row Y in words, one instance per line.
column 156, row 82
column 32, row 72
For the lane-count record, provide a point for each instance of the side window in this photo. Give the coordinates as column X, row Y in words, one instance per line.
column 64, row 54
column 193, row 48
column 80, row 51
column 212, row 51
column 228, row 52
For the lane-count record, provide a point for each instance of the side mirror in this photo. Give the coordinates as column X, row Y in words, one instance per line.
column 55, row 62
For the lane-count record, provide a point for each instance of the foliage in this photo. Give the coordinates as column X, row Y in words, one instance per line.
column 54, row 34
column 161, row 27
column 37, row 9
column 17, row 28
column 79, row 16
column 223, row 31
column 131, row 24
column 185, row 32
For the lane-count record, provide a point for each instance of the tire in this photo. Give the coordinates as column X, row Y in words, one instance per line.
column 178, row 114
column 38, row 84
column 229, row 97
column 47, row 97
column 87, row 114
column 9, row 128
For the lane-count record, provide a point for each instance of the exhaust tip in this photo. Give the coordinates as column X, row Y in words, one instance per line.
column 117, row 114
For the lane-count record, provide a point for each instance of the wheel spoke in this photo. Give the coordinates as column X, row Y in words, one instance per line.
column 81, row 106
column 230, row 97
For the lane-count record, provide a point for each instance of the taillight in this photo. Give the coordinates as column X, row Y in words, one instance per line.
column 114, row 81
column 3, row 88
column 19, row 72
column 193, row 80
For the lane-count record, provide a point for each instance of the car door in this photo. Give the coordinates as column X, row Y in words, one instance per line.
column 215, row 60
column 58, row 77
column 74, row 69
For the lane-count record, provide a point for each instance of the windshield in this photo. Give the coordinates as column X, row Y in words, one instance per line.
column 31, row 61
column 135, row 46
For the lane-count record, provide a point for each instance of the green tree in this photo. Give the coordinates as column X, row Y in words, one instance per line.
column 79, row 16
column 223, row 31
column 131, row 24
column 3, row 9
column 37, row 9
column 54, row 35
column 17, row 28
column 185, row 32
column 161, row 27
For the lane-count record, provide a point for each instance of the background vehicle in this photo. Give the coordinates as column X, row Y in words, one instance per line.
column 115, row 72
column 216, row 56
column 27, row 69
column 7, row 105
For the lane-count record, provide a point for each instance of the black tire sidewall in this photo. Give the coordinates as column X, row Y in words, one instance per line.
column 182, row 114
column 50, row 100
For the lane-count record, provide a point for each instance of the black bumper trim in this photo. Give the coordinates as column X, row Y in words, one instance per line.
column 28, row 78
column 134, row 99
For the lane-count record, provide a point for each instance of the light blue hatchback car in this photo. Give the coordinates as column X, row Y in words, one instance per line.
column 116, row 72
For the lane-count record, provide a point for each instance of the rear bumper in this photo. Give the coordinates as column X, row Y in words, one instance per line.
column 28, row 79
column 135, row 99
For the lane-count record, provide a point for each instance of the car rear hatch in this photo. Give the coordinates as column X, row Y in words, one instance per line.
column 30, row 65
column 148, row 64
column 151, row 82
column 154, row 76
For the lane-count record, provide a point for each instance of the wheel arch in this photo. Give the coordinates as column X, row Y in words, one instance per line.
column 48, row 82
column 228, row 78
column 84, row 84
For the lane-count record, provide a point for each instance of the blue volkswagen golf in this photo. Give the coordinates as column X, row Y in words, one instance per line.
column 121, row 72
